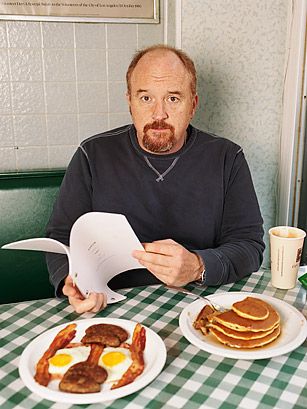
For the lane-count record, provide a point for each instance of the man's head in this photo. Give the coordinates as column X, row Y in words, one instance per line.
column 161, row 92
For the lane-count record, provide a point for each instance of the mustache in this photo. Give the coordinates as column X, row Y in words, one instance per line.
column 157, row 125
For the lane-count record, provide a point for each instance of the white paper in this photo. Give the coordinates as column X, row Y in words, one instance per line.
column 100, row 248
column 41, row 244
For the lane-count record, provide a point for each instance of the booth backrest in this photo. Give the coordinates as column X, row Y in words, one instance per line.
column 26, row 201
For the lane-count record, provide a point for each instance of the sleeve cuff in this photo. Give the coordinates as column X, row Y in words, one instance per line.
column 214, row 267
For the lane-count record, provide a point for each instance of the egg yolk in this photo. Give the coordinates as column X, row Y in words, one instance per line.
column 60, row 360
column 113, row 358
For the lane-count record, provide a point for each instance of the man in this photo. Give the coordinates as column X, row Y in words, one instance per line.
column 187, row 194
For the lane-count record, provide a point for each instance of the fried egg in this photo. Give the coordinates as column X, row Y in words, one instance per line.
column 66, row 357
column 115, row 361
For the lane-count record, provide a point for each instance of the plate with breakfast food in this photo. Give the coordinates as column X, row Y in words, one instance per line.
column 252, row 326
column 92, row 360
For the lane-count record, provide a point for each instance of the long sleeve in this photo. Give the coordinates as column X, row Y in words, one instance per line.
column 239, row 245
column 74, row 199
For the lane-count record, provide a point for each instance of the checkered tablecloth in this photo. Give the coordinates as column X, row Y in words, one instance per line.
column 191, row 378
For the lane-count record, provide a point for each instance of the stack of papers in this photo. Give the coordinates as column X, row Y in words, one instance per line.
column 100, row 248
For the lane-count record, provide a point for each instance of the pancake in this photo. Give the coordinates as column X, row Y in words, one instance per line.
column 234, row 321
column 250, row 323
column 246, row 335
column 245, row 344
column 251, row 308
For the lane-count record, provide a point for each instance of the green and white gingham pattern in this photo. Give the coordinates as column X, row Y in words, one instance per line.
column 190, row 379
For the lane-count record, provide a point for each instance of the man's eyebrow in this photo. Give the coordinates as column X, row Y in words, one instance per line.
column 140, row 91
column 174, row 92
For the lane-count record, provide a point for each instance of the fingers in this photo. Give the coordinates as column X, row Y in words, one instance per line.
column 69, row 289
column 154, row 250
column 167, row 247
column 162, row 253
column 167, row 275
column 170, row 262
column 152, row 258
column 95, row 302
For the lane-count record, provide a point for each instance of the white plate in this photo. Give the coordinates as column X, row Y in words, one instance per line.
column 293, row 328
column 154, row 356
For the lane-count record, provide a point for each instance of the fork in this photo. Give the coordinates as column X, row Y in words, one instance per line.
column 215, row 306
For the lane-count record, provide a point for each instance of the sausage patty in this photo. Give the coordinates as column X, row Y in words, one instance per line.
column 106, row 334
column 83, row 378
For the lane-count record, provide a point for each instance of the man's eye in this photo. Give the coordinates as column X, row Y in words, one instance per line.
column 145, row 98
column 173, row 99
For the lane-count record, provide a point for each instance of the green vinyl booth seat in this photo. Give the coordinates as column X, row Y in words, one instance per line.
column 26, row 202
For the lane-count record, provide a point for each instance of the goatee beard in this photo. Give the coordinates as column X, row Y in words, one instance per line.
column 158, row 142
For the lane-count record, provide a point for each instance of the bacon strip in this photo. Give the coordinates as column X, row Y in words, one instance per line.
column 62, row 339
column 137, row 355
column 96, row 351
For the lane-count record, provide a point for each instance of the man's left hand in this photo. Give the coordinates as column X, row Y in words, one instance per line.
column 170, row 262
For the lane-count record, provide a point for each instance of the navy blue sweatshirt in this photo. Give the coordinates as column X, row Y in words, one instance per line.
column 201, row 196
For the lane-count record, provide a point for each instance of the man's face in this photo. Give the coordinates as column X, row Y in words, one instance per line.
column 161, row 102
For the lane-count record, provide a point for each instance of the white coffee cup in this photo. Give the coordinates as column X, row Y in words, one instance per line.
column 286, row 244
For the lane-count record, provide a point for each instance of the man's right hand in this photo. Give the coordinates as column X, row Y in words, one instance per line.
column 94, row 303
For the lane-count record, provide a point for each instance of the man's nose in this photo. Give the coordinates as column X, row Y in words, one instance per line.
column 159, row 111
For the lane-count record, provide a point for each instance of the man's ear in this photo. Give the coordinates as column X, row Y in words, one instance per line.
column 128, row 98
column 194, row 104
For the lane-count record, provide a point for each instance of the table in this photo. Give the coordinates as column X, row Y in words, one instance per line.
column 190, row 379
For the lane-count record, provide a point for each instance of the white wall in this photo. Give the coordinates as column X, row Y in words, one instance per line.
column 62, row 82
column 240, row 47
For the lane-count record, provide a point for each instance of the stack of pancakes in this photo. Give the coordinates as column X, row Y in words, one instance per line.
column 250, row 323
